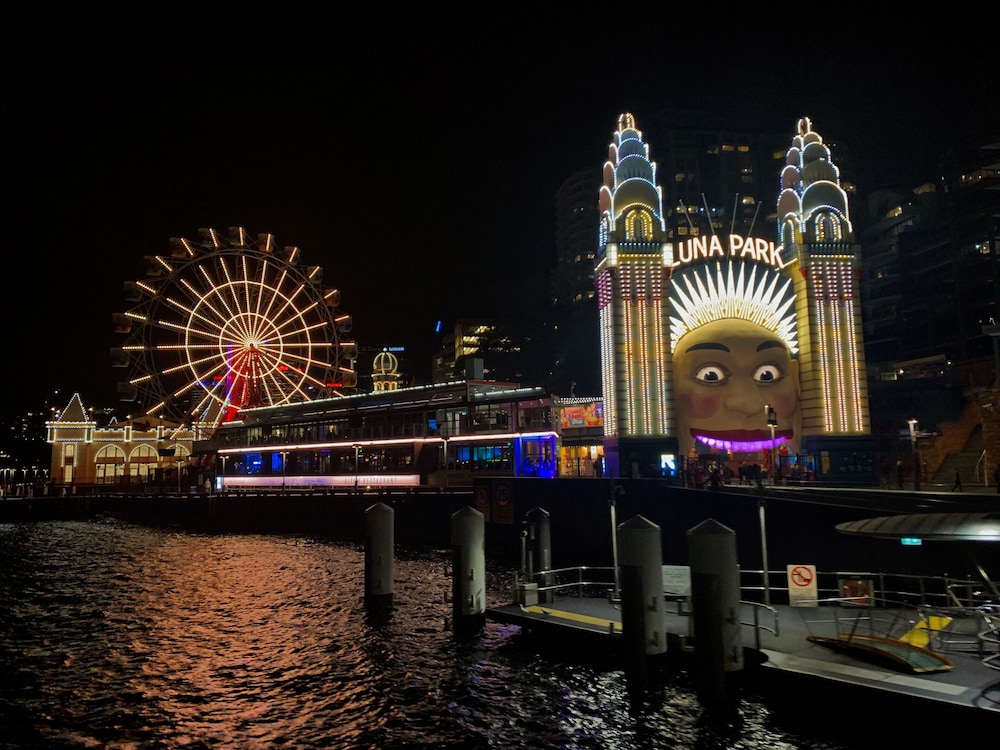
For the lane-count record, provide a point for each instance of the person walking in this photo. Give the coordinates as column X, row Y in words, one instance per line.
column 699, row 477
column 958, row 480
column 899, row 474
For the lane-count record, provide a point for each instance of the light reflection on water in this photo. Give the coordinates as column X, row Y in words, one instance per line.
column 125, row 637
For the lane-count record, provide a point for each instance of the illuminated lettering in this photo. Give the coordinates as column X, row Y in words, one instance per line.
column 753, row 249
column 716, row 248
column 735, row 244
column 774, row 256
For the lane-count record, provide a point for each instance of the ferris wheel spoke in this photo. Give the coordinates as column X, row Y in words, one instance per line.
column 205, row 406
column 229, row 294
column 305, row 361
column 305, row 327
column 213, row 287
column 274, row 391
column 277, row 368
column 289, row 309
column 191, row 314
column 278, row 371
column 267, row 310
column 204, row 299
column 260, row 285
column 283, row 356
column 301, row 366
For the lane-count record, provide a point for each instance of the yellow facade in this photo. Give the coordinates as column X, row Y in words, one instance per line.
column 134, row 453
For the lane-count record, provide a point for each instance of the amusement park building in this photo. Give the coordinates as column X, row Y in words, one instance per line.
column 135, row 453
column 804, row 401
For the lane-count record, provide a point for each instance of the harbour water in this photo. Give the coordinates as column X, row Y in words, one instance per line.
column 121, row 636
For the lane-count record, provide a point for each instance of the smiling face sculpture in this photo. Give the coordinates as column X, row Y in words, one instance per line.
column 727, row 374
column 734, row 345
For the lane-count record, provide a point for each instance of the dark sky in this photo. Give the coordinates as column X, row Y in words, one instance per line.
column 415, row 159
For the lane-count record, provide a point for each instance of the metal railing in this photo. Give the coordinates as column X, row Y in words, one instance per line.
column 894, row 605
column 572, row 581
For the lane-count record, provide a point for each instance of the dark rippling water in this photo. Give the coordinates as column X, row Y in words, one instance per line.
column 117, row 636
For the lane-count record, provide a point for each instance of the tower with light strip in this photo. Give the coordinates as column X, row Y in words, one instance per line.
column 631, row 275
column 818, row 247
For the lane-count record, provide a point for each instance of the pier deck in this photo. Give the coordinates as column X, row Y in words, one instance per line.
column 784, row 648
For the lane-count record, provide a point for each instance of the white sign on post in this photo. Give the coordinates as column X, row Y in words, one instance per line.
column 677, row 581
column 802, row 589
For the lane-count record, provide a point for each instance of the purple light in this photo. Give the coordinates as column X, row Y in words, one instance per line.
column 742, row 445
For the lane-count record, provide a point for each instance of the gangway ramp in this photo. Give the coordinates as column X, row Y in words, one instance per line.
column 898, row 653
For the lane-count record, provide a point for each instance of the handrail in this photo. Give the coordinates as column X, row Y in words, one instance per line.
column 981, row 462
column 756, row 608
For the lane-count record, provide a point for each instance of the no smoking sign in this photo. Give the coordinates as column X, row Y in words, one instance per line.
column 802, row 590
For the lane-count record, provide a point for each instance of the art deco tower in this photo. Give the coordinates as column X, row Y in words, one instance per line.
column 631, row 274
column 817, row 241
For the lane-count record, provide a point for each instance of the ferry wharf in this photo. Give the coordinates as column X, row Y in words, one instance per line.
column 930, row 657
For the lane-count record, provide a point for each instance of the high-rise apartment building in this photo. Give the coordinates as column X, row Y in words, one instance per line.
column 931, row 290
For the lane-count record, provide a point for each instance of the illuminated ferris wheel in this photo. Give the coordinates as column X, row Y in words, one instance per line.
column 228, row 323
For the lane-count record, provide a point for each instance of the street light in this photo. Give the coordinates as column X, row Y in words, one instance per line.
column 222, row 481
column 916, row 455
column 772, row 422
column 446, row 464
column 357, row 460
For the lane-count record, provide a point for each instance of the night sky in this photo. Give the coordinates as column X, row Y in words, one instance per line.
column 415, row 159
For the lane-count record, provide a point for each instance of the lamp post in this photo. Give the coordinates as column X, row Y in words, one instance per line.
column 222, row 481
column 772, row 422
column 284, row 463
column 445, row 464
column 916, row 455
column 357, row 461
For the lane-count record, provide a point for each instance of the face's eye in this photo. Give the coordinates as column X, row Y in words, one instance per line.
column 768, row 373
column 711, row 374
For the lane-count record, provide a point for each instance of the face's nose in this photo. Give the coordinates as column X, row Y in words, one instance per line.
column 743, row 397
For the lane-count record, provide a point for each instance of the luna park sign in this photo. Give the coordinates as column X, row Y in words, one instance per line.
column 697, row 249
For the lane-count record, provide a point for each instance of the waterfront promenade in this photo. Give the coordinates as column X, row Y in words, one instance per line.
column 779, row 650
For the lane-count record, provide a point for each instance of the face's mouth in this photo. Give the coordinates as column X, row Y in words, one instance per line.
column 744, row 441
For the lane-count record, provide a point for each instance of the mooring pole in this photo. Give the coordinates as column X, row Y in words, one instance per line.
column 379, row 555
column 715, row 603
column 763, row 551
column 468, row 584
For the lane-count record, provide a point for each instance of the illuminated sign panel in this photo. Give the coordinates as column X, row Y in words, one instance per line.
column 745, row 248
column 588, row 415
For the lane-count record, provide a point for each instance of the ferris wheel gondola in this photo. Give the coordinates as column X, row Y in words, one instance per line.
column 229, row 323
